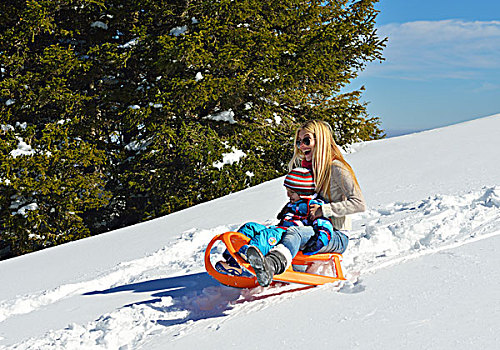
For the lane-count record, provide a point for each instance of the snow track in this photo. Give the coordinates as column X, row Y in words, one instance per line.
column 411, row 229
column 169, row 294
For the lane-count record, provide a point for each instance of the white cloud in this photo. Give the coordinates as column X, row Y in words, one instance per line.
column 425, row 50
column 441, row 31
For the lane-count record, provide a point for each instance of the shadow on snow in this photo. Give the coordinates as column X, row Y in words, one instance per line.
column 198, row 295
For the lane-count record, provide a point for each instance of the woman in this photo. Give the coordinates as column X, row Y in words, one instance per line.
column 335, row 181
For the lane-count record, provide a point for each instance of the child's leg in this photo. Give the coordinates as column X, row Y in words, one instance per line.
column 251, row 229
column 267, row 239
column 296, row 237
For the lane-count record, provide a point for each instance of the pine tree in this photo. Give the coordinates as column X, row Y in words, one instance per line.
column 130, row 107
column 50, row 173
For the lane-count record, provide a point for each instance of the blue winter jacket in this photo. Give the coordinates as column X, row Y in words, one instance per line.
column 295, row 214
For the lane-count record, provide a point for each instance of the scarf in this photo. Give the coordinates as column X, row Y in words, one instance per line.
column 307, row 164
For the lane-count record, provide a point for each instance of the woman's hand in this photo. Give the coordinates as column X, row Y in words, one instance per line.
column 315, row 212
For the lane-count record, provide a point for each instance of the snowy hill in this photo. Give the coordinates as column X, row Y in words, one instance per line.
column 422, row 266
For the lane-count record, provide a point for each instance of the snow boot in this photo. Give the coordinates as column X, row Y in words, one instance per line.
column 230, row 266
column 228, row 269
column 243, row 252
column 266, row 267
column 229, row 258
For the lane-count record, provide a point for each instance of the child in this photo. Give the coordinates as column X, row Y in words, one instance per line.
column 300, row 190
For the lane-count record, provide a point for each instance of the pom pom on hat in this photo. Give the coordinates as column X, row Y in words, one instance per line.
column 301, row 180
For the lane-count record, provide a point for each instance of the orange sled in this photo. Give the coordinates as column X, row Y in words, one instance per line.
column 234, row 241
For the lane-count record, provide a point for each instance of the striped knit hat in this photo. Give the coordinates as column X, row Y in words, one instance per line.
column 301, row 180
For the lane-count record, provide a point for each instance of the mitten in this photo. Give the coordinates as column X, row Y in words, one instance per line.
column 313, row 245
column 282, row 213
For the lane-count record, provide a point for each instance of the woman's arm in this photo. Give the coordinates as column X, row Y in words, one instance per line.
column 343, row 186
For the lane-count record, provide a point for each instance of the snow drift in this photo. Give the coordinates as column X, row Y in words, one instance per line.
column 430, row 195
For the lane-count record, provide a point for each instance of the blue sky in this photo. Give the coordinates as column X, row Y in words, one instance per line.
column 442, row 64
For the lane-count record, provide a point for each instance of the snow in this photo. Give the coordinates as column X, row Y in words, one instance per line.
column 6, row 127
column 230, row 158
column 176, row 31
column 138, row 145
column 29, row 207
column 129, row 44
column 99, row 24
column 225, row 116
column 23, row 149
column 422, row 266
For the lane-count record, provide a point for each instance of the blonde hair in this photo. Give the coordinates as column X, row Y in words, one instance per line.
column 325, row 152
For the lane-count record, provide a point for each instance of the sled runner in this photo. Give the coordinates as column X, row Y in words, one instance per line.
column 234, row 241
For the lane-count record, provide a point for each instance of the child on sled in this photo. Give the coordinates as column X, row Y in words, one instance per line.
column 300, row 188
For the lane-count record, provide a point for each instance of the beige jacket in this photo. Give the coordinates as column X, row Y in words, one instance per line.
column 345, row 197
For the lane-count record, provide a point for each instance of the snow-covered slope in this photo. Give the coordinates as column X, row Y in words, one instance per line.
column 422, row 266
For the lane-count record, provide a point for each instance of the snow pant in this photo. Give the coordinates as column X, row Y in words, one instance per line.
column 262, row 237
column 296, row 237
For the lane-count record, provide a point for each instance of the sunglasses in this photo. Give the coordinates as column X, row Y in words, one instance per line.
column 306, row 141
